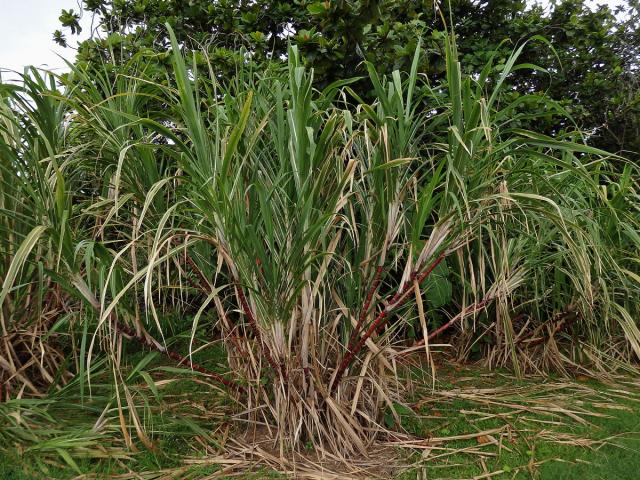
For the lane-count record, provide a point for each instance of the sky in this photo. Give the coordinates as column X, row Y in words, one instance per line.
column 27, row 26
column 26, row 34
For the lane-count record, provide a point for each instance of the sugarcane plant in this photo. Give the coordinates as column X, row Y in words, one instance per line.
column 313, row 229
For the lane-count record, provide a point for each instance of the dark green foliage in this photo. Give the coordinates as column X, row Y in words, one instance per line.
column 438, row 288
column 589, row 68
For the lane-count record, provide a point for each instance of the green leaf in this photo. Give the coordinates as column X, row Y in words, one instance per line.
column 18, row 260
column 237, row 132
column 389, row 419
column 438, row 288
column 317, row 8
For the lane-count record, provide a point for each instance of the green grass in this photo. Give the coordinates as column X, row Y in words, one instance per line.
column 613, row 454
column 604, row 448
column 619, row 461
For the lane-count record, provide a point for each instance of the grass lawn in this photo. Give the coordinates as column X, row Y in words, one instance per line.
column 548, row 429
column 478, row 425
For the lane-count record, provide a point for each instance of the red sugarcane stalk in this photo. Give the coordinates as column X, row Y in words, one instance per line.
column 178, row 358
column 204, row 283
column 467, row 311
column 365, row 307
column 382, row 318
column 256, row 331
column 247, row 311
column 564, row 319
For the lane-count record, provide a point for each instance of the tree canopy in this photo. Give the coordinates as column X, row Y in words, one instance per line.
column 588, row 59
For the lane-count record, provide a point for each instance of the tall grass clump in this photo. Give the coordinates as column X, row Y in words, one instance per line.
column 314, row 230
column 31, row 134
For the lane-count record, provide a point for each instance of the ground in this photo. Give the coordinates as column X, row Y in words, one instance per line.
column 474, row 424
column 544, row 428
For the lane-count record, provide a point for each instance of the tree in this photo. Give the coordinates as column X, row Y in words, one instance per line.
column 589, row 65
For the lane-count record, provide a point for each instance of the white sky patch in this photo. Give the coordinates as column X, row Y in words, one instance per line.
column 612, row 4
column 26, row 34
column 27, row 26
column 593, row 4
